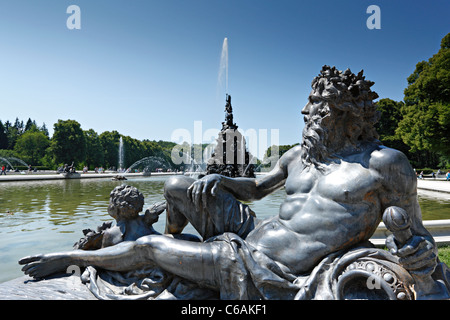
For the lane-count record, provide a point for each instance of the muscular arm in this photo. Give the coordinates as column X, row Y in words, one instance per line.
column 399, row 183
column 248, row 189
column 399, row 186
column 244, row 189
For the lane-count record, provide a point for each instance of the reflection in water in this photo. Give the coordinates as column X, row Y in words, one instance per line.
column 48, row 216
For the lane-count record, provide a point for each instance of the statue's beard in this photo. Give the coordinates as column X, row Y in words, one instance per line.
column 316, row 149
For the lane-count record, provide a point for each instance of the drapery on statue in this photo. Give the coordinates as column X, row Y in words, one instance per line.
column 340, row 182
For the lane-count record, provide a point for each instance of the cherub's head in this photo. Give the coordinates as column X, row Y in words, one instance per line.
column 125, row 202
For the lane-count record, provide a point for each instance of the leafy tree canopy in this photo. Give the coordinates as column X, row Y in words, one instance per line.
column 426, row 114
column 68, row 142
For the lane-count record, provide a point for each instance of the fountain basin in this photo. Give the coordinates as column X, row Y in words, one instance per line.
column 31, row 177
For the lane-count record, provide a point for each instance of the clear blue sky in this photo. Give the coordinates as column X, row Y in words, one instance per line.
column 147, row 68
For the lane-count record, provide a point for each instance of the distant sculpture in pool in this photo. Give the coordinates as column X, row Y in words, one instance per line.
column 230, row 157
column 340, row 183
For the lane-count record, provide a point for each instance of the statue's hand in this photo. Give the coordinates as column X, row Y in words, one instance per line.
column 201, row 189
column 40, row 266
column 417, row 255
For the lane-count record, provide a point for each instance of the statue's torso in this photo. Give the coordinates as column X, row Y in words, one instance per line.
column 322, row 213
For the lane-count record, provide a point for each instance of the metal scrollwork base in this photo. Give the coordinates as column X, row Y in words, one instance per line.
column 366, row 278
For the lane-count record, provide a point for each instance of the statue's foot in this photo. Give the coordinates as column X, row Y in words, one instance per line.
column 40, row 266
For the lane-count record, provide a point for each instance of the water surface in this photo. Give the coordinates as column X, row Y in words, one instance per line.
column 48, row 216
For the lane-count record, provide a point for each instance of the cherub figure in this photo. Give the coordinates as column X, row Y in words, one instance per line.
column 125, row 204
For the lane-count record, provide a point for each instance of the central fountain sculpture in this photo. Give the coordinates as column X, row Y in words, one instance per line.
column 230, row 157
column 340, row 183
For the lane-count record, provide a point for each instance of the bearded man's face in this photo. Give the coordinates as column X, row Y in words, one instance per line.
column 315, row 134
column 313, row 107
column 339, row 116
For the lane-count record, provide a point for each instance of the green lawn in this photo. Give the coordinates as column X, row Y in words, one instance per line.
column 444, row 254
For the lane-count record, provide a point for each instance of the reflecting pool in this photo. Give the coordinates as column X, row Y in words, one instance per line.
column 48, row 216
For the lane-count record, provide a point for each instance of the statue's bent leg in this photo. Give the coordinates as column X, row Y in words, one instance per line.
column 175, row 192
column 223, row 212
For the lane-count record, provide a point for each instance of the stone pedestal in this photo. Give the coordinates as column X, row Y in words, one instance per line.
column 60, row 287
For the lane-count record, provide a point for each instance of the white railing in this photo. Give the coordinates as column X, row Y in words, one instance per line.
column 439, row 229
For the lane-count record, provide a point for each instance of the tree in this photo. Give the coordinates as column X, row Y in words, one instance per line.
column 44, row 129
column 68, row 142
column 3, row 137
column 110, row 142
column 426, row 113
column 12, row 132
column 30, row 125
column 282, row 149
column 390, row 115
column 19, row 126
column 31, row 146
column 153, row 148
column 94, row 149
column 134, row 151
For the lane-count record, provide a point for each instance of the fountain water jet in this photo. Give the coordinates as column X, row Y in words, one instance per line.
column 149, row 164
column 121, row 154
column 8, row 161
column 223, row 68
